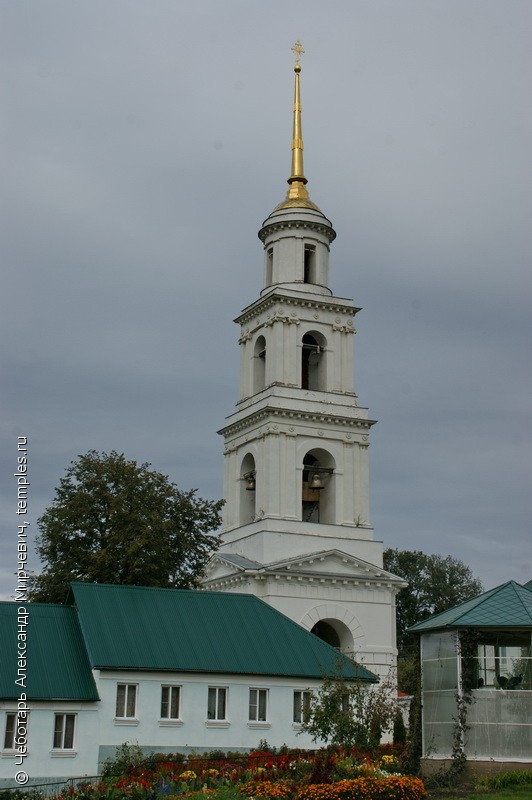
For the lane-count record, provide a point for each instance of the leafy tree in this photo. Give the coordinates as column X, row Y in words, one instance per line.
column 115, row 521
column 351, row 712
column 435, row 583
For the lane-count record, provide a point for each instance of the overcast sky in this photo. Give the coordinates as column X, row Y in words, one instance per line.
column 143, row 142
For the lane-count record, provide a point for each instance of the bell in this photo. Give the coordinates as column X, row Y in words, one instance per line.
column 250, row 484
column 316, row 482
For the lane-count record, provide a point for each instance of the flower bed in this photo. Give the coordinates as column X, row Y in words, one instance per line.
column 294, row 775
column 393, row 787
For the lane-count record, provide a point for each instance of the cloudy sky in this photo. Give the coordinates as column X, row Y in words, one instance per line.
column 142, row 144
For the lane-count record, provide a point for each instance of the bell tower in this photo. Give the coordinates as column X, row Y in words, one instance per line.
column 297, row 528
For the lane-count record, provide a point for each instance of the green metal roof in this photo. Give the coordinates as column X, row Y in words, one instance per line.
column 57, row 665
column 506, row 606
column 135, row 627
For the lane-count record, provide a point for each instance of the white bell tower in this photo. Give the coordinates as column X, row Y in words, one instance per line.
column 297, row 529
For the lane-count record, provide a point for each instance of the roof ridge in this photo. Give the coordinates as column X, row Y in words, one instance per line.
column 516, row 586
column 481, row 598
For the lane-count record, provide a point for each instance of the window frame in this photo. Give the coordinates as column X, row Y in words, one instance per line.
column 217, row 719
column 261, row 692
column 65, row 744
column 7, row 716
column 168, row 719
column 305, row 699
column 124, row 718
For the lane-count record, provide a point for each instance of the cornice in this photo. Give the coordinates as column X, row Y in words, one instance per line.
column 315, row 302
column 272, row 226
column 269, row 412
column 221, row 584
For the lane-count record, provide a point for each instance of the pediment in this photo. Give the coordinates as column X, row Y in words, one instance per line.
column 224, row 566
column 333, row 563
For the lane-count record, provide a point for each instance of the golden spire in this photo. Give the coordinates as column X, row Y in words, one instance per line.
column 297, row 194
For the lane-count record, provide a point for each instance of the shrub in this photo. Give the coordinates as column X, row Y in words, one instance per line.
column 503, row 780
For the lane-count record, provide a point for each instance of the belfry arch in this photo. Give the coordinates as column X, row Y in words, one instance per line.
column 259, row 365
column 247, row 492
column 313, row 362
column 318, row 491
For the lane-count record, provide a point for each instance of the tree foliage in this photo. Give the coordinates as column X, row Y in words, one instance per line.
column 435, row 583
column 117, row 521
column 351, row 712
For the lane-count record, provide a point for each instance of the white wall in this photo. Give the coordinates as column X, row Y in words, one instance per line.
column 98, row 732
column 43, row 763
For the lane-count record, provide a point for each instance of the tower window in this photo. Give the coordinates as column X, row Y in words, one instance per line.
column 310, row 359
column 259, row 365
column 269, row 267
column 309, row 264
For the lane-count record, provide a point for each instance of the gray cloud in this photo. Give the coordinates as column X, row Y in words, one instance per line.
column 142, row 146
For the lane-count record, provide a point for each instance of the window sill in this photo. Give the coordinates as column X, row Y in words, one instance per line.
column 296, row 726
column 215, row 723
column 259, row 725
column 170, row 723
column 10, row 753
column 125, row 721
column 63, row 753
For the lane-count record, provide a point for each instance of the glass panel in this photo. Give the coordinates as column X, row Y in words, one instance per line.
column 131, row 700
column 263, row 697
column 165, row 690
column 58, row 730
column 221, row 703
column 297, row 706
column 306, row 706
column 69, row 731
column 439, row 706
column 437, row 739
column 174, row 706
column 211, row 704
column 441, row 674
column 9, row 739
column 253, row 704
column 120, row 700
column 438, row 645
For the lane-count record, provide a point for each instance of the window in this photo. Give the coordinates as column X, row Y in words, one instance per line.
column 170, row 702
column 126, row 701
column 64, row 731
column 309, row 265
column 217, row 703
column 258, row 705
column 10, row 729
column 301, row 706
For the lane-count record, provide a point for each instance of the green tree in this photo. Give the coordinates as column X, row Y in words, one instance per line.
column 435, row 583
column 351, row 712
column 117, row 521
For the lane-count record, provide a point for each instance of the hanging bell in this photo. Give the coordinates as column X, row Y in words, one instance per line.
column 250, row 483
column 316, row 482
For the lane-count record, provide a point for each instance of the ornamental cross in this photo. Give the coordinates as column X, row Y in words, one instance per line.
column 298, row 50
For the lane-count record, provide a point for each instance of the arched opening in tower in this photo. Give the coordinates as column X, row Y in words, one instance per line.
column 324, row 631
column 335, row 633
column 313, row 362
column 247, row 502
column 259, row 365
column 318, row 488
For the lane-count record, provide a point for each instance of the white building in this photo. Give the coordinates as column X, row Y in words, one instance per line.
column 297, row 530
column 174, row 671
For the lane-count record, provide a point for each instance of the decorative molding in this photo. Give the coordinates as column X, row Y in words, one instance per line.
column 315, row 302
column 273, row 227
column 343, row 328
column 258, row 417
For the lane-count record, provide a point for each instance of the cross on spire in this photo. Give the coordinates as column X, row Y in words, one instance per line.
column 298, row 50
